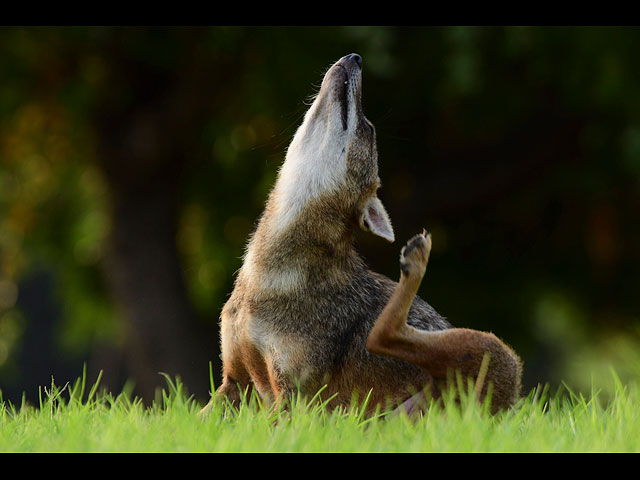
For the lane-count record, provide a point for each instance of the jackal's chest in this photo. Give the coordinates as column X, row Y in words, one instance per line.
column 293, row 355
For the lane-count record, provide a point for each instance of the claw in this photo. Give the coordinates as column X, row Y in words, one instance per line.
column 420, row 242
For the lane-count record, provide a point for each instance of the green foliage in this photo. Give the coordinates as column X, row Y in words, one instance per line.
column 517, row 147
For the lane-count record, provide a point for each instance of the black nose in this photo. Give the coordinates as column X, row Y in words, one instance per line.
column 356, row 58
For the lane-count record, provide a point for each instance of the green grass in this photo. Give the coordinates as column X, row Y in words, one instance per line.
column 74, row 418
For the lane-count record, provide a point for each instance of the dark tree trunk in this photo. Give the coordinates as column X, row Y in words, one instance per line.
column 144, row 274
column 147, row 137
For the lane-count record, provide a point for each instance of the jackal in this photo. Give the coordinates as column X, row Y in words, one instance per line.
column 304, row 303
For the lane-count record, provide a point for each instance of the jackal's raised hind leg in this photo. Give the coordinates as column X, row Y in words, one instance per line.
column 442, row 352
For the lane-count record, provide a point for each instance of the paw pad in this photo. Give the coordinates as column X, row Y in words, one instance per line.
column 414, row 255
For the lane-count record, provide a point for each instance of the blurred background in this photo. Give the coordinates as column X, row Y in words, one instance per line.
column 135, row 161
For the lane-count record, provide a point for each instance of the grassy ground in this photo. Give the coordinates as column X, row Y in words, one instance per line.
column 81, row 419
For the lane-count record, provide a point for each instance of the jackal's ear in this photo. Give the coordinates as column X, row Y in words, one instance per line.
column 374, row 218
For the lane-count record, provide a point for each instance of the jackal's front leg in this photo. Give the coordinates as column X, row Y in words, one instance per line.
column 391, row 335
column 439, row 353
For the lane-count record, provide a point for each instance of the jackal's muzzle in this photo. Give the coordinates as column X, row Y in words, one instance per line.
column 343, row 81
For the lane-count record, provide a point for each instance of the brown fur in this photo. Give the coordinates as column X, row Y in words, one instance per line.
column 442, row 353
column 304, row 302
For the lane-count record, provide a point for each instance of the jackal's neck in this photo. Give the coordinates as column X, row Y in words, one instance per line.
column 316, row 247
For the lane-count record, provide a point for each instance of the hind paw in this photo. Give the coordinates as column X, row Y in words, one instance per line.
column 415, row 255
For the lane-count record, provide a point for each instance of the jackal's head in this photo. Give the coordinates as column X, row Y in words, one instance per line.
column 333, row 155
